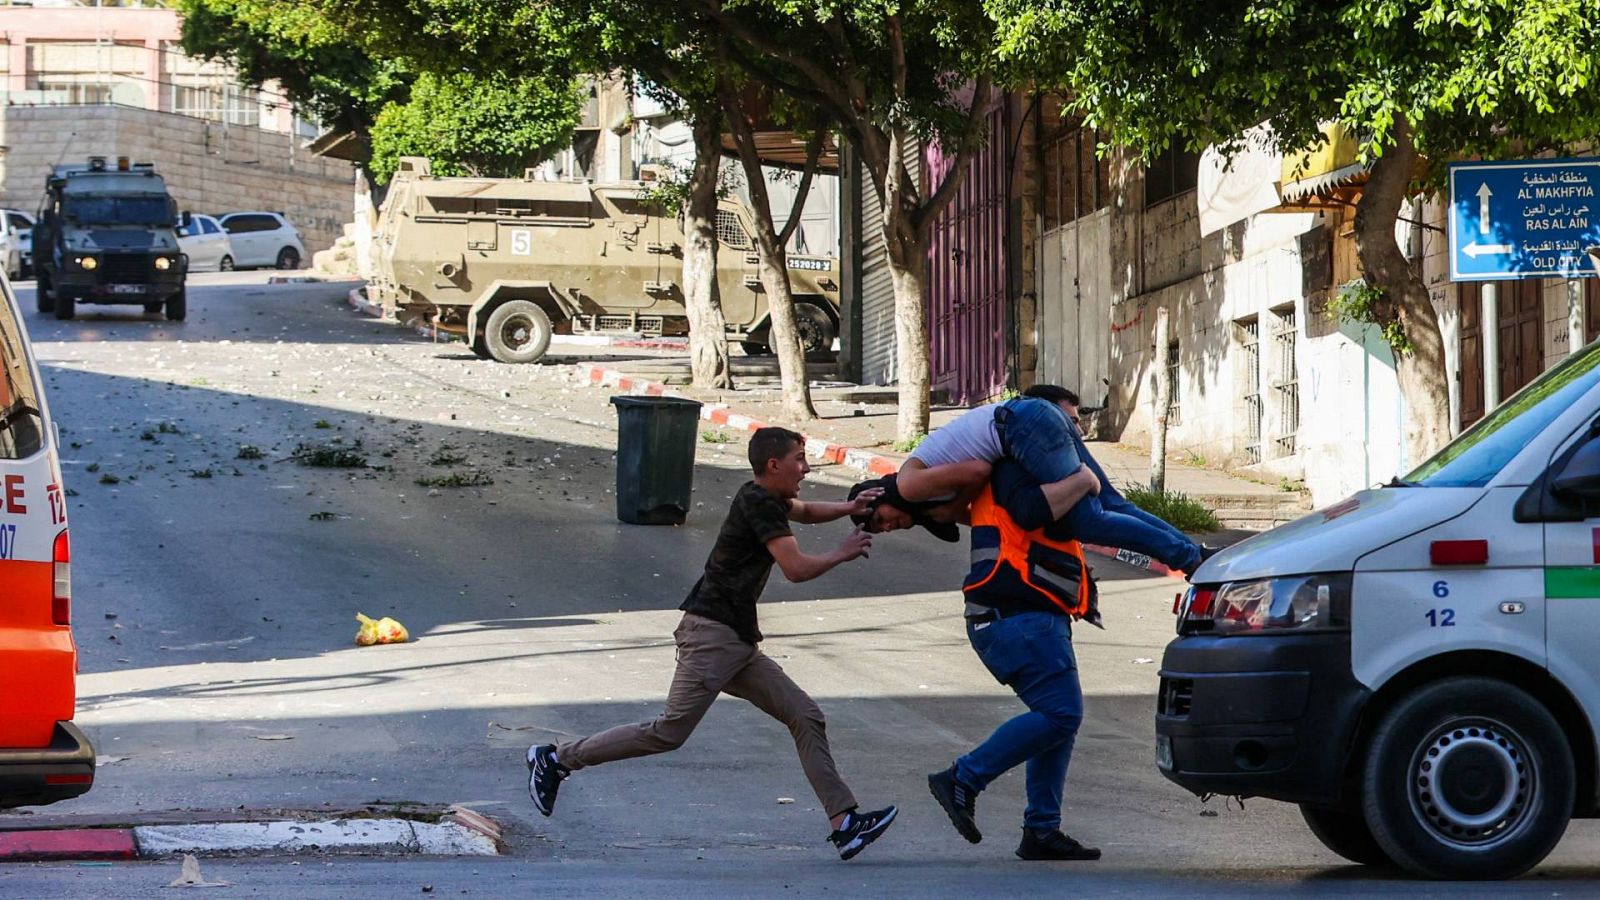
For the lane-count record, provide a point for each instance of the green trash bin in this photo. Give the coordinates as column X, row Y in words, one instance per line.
column 656, row 437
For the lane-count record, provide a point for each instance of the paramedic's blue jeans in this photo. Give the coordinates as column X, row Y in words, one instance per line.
column 1031, row 653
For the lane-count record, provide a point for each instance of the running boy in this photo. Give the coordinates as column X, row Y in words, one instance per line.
column 718, row 637
column 1036, row 431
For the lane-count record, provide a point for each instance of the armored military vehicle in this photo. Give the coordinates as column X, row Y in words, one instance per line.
column 508, row 262
column 106, row 235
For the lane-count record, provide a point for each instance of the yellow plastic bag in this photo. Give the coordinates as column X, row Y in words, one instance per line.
column 380, row 631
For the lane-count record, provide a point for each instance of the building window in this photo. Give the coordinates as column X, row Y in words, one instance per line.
column 218, row 102
column 1287, row 386
column 1176, row 170
column 1174, row 410
column 1077, row 180
column 1250, row 344
column 76, row 92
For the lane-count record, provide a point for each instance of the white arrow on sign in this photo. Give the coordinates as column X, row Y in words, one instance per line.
column 1476, row 249
column 1483, row 207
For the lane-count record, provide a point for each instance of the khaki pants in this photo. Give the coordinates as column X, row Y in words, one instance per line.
column 711, row 661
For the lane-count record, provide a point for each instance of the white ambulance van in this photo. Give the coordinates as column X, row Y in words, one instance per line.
column 43, row 756
column 1418, row 666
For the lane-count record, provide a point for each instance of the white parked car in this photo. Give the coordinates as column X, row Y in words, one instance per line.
column 19, row 228
column 205, row 243
column 263, row 239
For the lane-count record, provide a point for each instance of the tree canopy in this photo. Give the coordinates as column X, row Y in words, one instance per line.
column 472, row 125
column 318, row 69
column 1466, row 77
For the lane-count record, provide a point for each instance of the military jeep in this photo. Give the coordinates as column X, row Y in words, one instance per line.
column 508, row 262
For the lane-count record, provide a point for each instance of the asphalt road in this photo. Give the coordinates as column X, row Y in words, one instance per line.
column 215, row 599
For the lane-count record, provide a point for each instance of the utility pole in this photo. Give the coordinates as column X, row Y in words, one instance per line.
column 1163, row 400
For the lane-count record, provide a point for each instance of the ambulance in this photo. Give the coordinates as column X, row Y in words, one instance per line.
column 1418, row 666
column 44, row 757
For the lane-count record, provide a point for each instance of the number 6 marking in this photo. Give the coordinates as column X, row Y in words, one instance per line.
column 1441, row 588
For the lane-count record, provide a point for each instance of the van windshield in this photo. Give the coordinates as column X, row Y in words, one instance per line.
column 1483, row 450
column 118, row 210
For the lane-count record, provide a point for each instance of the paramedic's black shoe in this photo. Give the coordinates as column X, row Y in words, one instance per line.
column 861, row 829
column 544, row 777
column 959, row 802
column 1052, row 845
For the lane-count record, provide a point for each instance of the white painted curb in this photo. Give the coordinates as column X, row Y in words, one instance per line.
column 375, row 836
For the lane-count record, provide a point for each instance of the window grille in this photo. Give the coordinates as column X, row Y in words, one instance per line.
column 730, row 232
column 1288, row 384
column 1250, row 343
column 1174, row 410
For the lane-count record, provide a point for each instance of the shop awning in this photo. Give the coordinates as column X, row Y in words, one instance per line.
column 1313, row 177
column 1259, row 179
column 1233, row 188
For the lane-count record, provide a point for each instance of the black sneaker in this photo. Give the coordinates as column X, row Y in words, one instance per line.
column 1053, row 845
column 544, row 777
column 959, row 802
column 861, row 829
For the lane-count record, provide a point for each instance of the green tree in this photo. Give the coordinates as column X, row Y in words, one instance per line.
column 1421, row 82
column 477, row 125
column 320, row 72
column 659, row 48
column 891, row 76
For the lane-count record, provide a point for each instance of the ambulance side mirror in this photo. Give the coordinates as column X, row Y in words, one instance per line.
column 1581, row 475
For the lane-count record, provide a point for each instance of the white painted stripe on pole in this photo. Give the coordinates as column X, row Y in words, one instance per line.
column 816, row 448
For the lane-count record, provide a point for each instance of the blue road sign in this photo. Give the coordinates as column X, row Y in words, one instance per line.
column 1524, row 218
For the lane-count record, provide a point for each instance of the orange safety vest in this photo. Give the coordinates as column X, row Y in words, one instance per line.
column 1055, row 569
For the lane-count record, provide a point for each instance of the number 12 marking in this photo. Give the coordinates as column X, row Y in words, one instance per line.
column 1441, row 618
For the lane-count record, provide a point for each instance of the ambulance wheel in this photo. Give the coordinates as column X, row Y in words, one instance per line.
column 518, row 331
column 1468, row 778
column 41, row 295
column 65, row 304
column 1346, row 834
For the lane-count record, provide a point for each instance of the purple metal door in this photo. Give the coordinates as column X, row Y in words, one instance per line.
column 967, row 280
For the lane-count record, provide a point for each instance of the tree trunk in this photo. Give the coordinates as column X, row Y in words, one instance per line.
column 908, row 270
column 708, row 330
column 783, row 333
column 1424, row 383
column 1163, row 400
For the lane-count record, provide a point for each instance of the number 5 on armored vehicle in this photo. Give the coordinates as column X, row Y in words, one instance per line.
column 506, row 263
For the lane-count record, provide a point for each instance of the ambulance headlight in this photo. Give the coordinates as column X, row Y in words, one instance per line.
column 87, row 263
column 163, row 263
column 1298, row 601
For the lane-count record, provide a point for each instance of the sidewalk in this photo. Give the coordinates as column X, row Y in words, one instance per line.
column 859, row 434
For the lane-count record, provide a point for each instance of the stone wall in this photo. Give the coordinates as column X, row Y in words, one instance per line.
column 209, row 167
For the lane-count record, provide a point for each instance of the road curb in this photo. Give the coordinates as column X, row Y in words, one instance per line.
column 864, row 461
column 77, row 843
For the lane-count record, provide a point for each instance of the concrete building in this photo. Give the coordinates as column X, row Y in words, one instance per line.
column 98, row 80
column 1245, row 256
